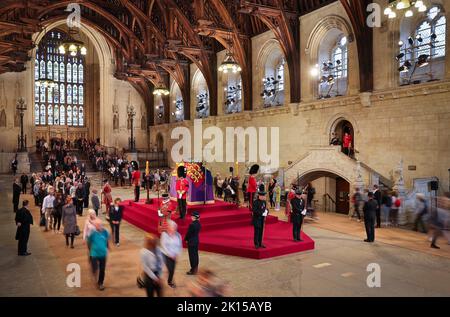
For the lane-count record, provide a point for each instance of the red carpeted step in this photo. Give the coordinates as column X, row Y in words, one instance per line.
column 226, row 230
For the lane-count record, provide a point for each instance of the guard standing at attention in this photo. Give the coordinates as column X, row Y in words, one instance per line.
column 192, row 240
column 136, row 179
column 370, row 213
column 298, row 211
column 259, row 213
column 182, row 187
column 252, row 186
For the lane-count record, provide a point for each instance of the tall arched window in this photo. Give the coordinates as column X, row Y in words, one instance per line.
column 280, row 75
column 333, row 65
column 422, row 49
column 64, row 70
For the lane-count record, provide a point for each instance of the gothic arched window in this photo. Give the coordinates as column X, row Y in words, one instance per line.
column 59, row 105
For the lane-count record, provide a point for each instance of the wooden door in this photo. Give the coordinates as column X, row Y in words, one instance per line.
column 342, row 196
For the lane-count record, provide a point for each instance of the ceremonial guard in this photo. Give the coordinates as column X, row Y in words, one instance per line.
column 164, row 213
column 298, row 212
column 24, row 220
column 259, row 213
column 182, row 187
column 251, row 188
column 136, row 180
column 107, row 196
column 192, row 240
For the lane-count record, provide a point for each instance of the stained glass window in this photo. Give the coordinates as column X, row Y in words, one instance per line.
column 75, row 73
column 50, row 115
column 49, row 70
column 75, row 116
column 62, row 93
column 69, row 115
column 62, row 72
column 69, row 93
column 75, row 95
column 55, row 71
column 280, row 76
column 80, row 95
column 42, row 115
column 80, row 73
column 36, row 114
column 432, row 33
column 62, row 115
column 81, row 116
column 69, row 73
column 56, row 115
column 59, row 105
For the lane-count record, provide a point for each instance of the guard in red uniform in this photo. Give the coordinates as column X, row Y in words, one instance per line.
column 164, row 213
column 136, row 179
column 182, row 187
column 252, row 186
column 107, row 196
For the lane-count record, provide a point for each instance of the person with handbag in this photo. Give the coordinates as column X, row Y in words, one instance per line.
column 115, row 218
column 98, row 251
column 151, row 262
column 69, row 219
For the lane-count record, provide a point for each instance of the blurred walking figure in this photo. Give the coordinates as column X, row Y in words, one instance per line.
column 98, row 242
column 69, row 218
column 436, row 227
column 89, row 225
column 357, row 199
column 152, row 261
column 422, row 210
column 171, row 247
column 95, row 201
column 207, row 285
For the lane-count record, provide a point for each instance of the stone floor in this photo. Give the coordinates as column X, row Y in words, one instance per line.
column 337, row 267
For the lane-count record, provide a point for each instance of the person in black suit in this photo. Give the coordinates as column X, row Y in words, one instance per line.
column 24, row 182
column 192, row 239
column 16, row 194
column 370, row 209
column 260, row 211
column 115, row 216
column 298, row 211
column 378, row 197
column 23, row 221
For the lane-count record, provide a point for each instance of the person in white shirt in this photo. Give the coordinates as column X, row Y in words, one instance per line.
column 171, row 246
column 47, row 207
column 151, row 262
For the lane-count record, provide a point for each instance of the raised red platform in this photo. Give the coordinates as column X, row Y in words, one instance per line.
column 226, row 229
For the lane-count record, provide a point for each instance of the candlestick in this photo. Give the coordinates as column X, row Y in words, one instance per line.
column 147, row 168
column 237, row 169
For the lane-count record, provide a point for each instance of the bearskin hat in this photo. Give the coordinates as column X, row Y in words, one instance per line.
column 181, row 171
column 254, row 169
column 134, row 165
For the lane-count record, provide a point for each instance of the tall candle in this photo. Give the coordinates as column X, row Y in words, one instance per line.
column 237, row 169
column 147, row 168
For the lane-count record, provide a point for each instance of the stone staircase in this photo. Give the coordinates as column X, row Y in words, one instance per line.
column 36, row 164
column 330, row 160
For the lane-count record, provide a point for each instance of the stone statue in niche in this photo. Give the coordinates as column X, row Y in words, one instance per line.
column 3, row 119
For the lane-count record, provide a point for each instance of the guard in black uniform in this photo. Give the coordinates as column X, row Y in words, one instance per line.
column 24, row 220
column 259, row 213
column 298, row 211
column 192, row 239
column 16, row 194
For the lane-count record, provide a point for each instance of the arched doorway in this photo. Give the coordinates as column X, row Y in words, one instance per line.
column 159, row 142
column 332, row 191
column 342, row 128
